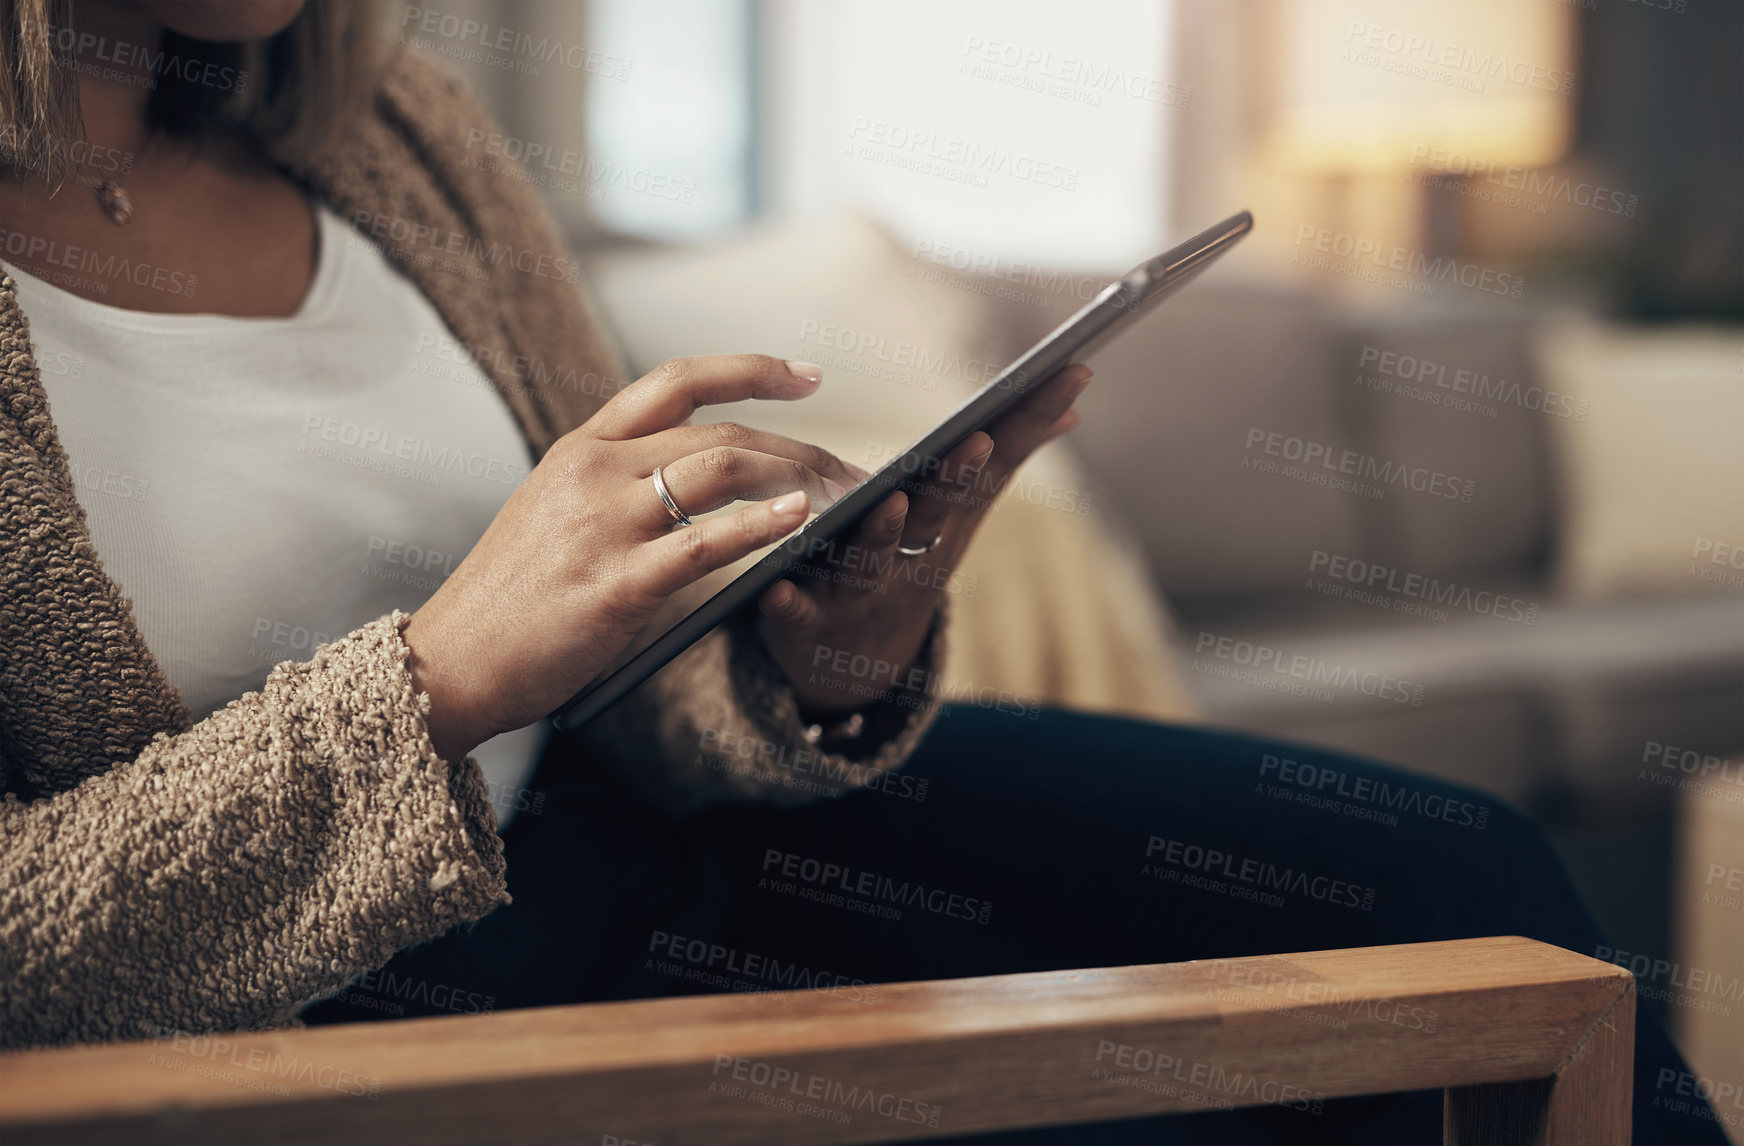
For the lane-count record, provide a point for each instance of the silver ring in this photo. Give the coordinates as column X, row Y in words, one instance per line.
column 920, row 550
column 678, row 515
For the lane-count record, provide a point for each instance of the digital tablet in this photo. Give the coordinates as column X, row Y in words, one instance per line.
column 1119, row 303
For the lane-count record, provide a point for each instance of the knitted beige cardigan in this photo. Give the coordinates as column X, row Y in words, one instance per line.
column 157, row 873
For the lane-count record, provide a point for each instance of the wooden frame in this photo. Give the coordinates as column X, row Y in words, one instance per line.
column 1533, row 1043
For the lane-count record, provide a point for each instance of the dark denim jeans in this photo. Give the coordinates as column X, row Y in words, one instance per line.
column 1056, row 842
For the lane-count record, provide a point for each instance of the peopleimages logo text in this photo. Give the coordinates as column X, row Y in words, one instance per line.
column 418, row 451
column 87, row 53
column 1457, row 59
column 1259, row 873
column 22, row 248
column 1531, row 180
column 1318, row 779
column 1224, row 1084
column 819, row 1088
column 25, row 147
column 1421, row 587
column 1474, row 383
column 532, row 154
column 420, row 237
column 1437, row 268
column 874, row 886
column 513, row 42
column 1364, row 467
column 1316, row 670
column 922, row 143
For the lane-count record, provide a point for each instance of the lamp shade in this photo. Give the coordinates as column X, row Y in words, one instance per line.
column 1372, row 86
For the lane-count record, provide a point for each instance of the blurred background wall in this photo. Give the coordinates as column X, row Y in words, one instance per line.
column 1442, row 466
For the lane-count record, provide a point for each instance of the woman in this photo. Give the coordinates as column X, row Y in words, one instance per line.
column 264, row 332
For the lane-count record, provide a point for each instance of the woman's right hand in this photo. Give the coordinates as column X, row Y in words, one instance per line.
column 584, row 551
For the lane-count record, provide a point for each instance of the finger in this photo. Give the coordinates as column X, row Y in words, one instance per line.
column 680, row 557
column 790, row 608
column 672, row 391
column 703, row 482
column 879, row 534
column 668, row 446
column 1025, row 426
column 846, row 570
column 881, row 529
column 955, row 484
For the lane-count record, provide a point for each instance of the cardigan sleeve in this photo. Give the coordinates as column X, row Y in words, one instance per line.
column 231, row 874
column 721, row 723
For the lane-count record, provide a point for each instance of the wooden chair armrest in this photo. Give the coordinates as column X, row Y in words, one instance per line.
column 1533, row 1043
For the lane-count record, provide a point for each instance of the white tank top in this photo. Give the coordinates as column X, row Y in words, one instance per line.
column 259, row 486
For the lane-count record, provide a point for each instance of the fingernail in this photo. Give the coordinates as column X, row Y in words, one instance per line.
column 789, row 504
column 809, row 371
column 834, row 489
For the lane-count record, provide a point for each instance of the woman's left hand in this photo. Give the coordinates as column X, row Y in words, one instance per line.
column 848, row 629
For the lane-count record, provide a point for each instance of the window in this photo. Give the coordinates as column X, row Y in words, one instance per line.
column 1009, row 130
column 669, row 133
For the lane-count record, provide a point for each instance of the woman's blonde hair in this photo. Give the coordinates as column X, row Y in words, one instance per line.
column 287, row 92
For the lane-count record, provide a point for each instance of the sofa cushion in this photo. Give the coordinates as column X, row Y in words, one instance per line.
column 1654, row 476
column 1453, row 389
column 1191, row 425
